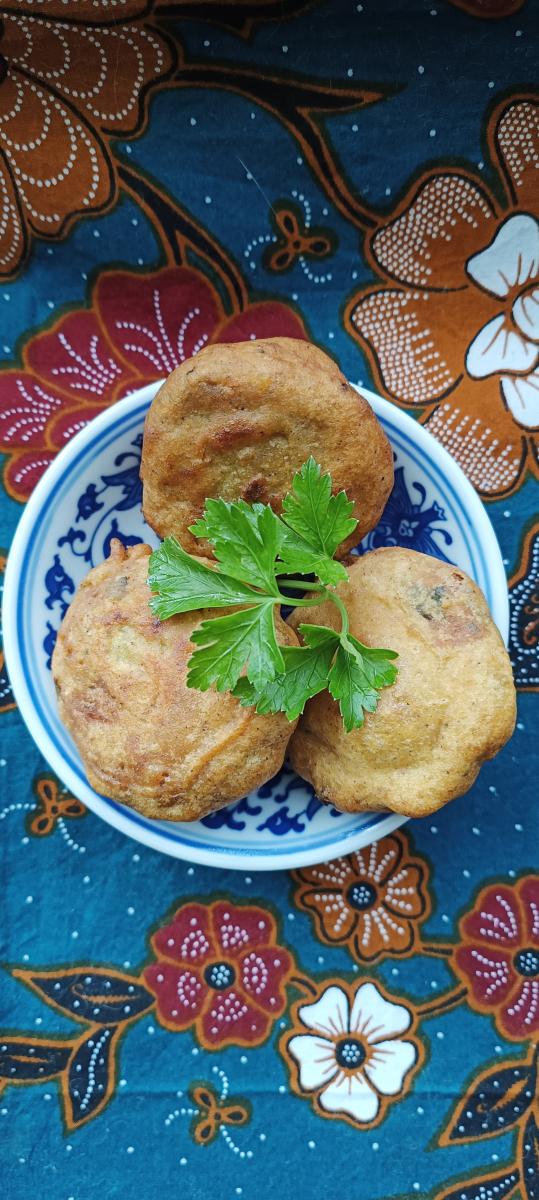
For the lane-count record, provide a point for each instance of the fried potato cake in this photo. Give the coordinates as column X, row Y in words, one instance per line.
column 237, row 421
column 145, row 738
column 451, row 707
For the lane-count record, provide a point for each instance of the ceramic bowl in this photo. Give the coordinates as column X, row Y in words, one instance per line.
column 92, row 493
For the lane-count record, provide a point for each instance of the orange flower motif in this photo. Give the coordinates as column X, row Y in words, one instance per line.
column 65, row 88
column 455, row 323
column 139, row 327
column 372, row 900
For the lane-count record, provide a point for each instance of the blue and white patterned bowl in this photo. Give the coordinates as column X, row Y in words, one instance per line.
column 92, row 493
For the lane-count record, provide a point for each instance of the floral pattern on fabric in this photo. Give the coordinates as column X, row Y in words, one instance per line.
column 372, row 900
column 53, row 808
column 353, row 1053
column 351, row 1048
column 254, row 167
column 60, row 100
column 221, row 969
column 212, row 1114
column 296, row 240
column 499, row 959
column 456, row 322
column 138, row 328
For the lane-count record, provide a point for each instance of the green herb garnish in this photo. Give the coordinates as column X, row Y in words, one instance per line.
column 254, row 548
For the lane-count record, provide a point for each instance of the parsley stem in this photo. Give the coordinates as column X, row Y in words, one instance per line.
column 300, row 585
column 332, row 595
column 307, row 602
column 304, row 586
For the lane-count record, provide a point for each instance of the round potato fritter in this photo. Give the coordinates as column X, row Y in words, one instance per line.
column 237, row 421
column 451, row 707
column 145, row 737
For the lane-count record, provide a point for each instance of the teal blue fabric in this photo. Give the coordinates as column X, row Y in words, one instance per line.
column 218, row 163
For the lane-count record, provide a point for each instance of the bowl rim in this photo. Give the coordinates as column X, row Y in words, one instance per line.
column 121, row 817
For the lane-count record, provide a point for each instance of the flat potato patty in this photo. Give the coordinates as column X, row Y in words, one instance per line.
column 145, row 738
column 451, row 707
column 237, row 421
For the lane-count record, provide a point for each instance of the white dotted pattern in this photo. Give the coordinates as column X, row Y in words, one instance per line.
column 438, row 214
column 91, row 1085
column 47, row 140
column 155, row 345
column 396, row 322
column 227, row 1011
column 188, row 990
column 499, row 928
column 254, row 974
column 518, row 139
column 29, row 416
column 497, row 972
column 86, row 373
column 195, row 945
column 489, row 465
column 232, row 936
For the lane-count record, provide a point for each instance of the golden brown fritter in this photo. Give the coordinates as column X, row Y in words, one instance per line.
column 451, row 707
column 237, row 421
column 146, row 738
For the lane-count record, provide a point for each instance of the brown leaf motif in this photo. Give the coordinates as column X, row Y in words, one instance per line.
column 524, row 619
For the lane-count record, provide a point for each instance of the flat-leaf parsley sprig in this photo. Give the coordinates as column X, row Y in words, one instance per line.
column 253, row 548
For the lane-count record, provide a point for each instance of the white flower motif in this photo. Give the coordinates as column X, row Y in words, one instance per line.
column 353, row 1055
column 508, row 344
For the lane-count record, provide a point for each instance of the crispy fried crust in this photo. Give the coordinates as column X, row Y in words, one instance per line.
column 451, row 708
column 145, row 737
column 237, row 421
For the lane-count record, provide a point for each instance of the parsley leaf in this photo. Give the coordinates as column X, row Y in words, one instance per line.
column 322, row 520
column 227, row 643
column 305, row 674
column 181, row 583
column 245, row 539
column 355, row 677
column 297, row 557
column 238, row 651
column 378, row 665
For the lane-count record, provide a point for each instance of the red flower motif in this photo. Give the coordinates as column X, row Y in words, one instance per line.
column 220, row 969
column 500, row 956
column 139, row 327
